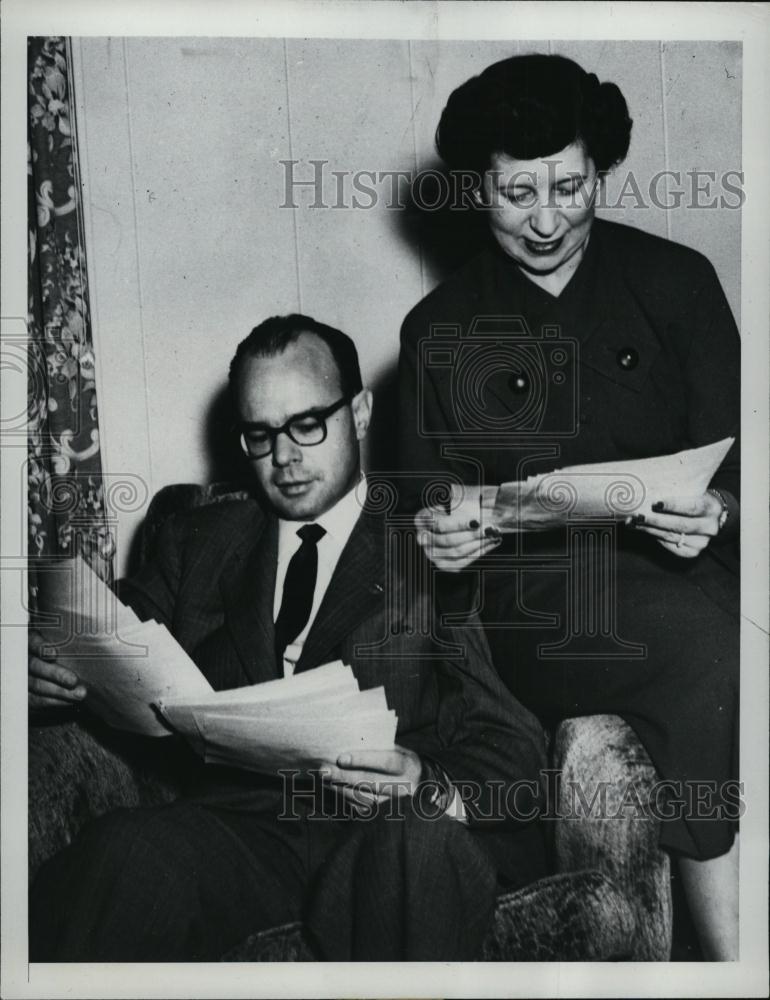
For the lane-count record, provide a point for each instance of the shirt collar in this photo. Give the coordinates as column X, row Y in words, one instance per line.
column 338, row 522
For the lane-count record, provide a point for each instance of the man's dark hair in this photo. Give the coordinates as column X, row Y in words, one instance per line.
column 274, row 335
column 532, row 106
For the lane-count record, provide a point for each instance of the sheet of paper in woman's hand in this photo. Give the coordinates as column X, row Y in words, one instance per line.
column 606, row 489
column 126, row 665
column 472, row 503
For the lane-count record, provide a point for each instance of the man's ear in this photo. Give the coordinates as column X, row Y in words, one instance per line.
column 361, row 405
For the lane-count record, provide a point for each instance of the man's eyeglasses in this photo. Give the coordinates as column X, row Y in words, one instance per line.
column 305, row 429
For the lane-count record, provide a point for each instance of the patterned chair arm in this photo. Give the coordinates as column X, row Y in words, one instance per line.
column 605, row 773
column 79, row 770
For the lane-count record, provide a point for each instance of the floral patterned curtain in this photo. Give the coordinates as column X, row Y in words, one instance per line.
column 66, row 494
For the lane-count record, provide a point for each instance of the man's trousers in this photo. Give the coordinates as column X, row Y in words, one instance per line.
column 188, row 882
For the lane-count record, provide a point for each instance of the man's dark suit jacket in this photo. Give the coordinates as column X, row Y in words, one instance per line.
column 212, row 584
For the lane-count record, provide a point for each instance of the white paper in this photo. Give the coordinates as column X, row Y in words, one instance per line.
column 140, row 679
column 603, row 489
column 126, row 665
column 267, row 747
column 322, row 706
column 295, row 721
column 333, row 676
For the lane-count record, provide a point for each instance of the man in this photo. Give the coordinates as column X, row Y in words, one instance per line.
column 254, row 591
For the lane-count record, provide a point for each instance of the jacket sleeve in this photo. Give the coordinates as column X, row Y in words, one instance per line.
column 152, row 592
column 424, row 426
column 491, row 747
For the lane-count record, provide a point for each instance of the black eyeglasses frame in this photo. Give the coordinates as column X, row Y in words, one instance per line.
column 322, row 415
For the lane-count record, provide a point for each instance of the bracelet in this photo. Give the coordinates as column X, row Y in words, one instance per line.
column 725, row 512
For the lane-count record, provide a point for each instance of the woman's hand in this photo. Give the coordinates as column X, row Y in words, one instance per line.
column 683, row 525
column 453, row 541
column 49, row 685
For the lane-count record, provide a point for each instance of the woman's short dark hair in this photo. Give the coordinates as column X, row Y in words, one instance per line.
column 532, row 106
column 274, row 335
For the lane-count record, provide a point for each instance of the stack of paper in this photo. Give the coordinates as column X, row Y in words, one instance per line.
column 602, row 489
column 126, row 665
column 139, row 679
column 299, row 721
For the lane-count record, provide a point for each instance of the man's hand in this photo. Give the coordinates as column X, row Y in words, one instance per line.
column 453, row 541
column 365, row 777
column 683, row 525
column 49, row 685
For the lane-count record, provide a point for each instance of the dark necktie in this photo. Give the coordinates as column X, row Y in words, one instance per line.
column 298, row 589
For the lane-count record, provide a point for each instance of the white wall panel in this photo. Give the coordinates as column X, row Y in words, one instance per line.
column 209, row 125
column 636, row 70
column 113, row 267
column 351, row 106
column 437, row 69
column 703, row 124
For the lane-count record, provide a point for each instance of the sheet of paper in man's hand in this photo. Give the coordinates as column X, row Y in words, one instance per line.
column 604, row 489
column 296, row 721
column 126, row 665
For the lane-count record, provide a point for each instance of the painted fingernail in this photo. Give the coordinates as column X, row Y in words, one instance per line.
column 638, row 519
column 491, row 532
column 658, row 506
column 473, row 525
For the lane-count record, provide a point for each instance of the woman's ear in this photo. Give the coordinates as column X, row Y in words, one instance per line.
column 361, row 405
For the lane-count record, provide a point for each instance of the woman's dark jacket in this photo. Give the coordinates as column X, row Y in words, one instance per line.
column 639, row 356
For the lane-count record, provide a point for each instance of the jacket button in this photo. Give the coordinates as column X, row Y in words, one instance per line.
column 627, row 358
column 518, row 382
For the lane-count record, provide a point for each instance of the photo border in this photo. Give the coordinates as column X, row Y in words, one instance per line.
column 744, row 22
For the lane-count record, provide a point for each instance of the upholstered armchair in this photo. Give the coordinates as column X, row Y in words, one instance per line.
column 608, row 899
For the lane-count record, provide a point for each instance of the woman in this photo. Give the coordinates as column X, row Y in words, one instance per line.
column 601, row 343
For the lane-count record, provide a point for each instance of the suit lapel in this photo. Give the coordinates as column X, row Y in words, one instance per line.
column 356, row 589
column 248, row 594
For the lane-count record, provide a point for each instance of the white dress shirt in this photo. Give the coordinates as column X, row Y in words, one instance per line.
column 338, row 523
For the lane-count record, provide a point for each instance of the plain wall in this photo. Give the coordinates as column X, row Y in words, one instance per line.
column 180, row 143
